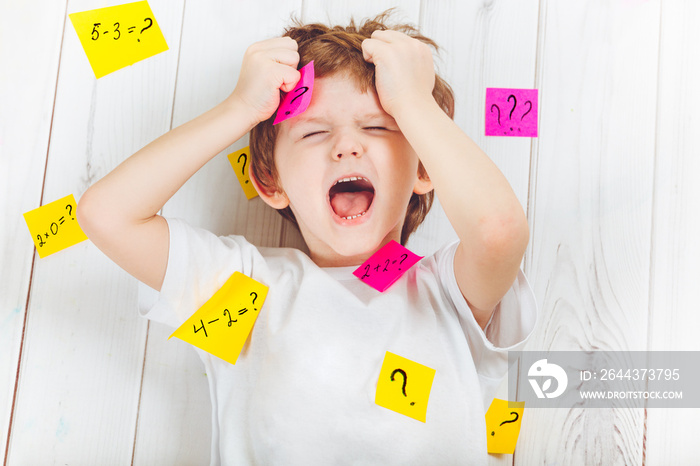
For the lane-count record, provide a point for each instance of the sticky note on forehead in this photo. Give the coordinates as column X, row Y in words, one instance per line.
column 503, row 425
column 404, row 386
column 222, row 325
column 297, row 101
column 118, row 36
column 511, row 112
column 386, row 266
column 54, row 227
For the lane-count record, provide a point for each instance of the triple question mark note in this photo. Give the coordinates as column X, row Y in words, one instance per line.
column 511, row 112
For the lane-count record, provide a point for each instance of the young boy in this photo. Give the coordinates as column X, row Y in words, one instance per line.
column 354, row 171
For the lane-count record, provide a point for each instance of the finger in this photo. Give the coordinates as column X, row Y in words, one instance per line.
column 284, row 56
column 289, row 77
column 370, row 47
column 389, row 35
column 277, row 42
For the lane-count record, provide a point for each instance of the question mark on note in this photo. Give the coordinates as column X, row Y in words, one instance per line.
column 242, row 174
column 394, row 371
column 506, row 422
column 518, row 127
column 404, row 255
column 245, row 159
column 150, row 23
column 256, row 297
column 528, row 110
column 70, row 210
column 297, row 101
column 405, row 380
column 499, row 113
column 306, row 88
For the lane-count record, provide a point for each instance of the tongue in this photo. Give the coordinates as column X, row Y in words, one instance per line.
column 351, row 203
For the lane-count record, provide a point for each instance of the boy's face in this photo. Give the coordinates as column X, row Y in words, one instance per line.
column 347, row 172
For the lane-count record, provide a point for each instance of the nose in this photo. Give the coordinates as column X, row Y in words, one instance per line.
column 347, row 144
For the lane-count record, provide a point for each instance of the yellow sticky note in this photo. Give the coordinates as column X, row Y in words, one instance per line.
column 503, row 425
column 240, row 162
column 404, row 386
column 118, row 36
column 53, row 226
column 221, row 326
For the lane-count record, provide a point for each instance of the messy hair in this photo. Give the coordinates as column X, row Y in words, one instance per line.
column 338, row 49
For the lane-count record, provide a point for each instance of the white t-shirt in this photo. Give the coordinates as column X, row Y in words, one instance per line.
column 302, row 391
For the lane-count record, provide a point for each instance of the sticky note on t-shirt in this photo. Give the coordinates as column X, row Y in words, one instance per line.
column 240, row 161
column 222, row 325
column 386, row 266
column 297, row 100
column 404, row 386
column 503, row 425
column 118, row 36
column 511, row 112
column 53, row 226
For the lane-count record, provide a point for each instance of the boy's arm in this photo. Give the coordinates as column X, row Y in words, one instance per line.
column 476, row 197
column 119, row 213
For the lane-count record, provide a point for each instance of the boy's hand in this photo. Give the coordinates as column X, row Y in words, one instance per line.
column 404, row 73
column 268, row 67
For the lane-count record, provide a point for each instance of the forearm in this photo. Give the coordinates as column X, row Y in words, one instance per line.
column 138, row 188
column 476, row 196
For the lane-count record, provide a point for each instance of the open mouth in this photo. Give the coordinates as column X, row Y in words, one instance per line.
column 351, row 197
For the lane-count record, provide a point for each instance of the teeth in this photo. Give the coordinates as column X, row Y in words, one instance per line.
column 354, row 216
column 351, row 178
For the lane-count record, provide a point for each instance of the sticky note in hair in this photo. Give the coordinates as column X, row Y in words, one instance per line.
column 240, row 161
column 118, row 36
column 222, row 325
column 503, row 425
column 404, row 386
column 386, row 266
column 511, row 112
column 297, row 100
column 53, row 226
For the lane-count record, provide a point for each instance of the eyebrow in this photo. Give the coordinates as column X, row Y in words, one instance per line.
column 302, row 121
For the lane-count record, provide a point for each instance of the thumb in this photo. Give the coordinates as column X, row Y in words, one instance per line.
column 368, row 50
column 290, row 78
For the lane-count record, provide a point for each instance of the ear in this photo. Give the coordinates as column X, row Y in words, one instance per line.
column 275, row 199
column 423, row 184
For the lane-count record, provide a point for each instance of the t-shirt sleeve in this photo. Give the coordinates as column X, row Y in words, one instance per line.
column 509, row 328
column 199, row 263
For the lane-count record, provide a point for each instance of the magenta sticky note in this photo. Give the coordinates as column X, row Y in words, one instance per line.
column 386, row 266
column 511, row 112
column 297, row 100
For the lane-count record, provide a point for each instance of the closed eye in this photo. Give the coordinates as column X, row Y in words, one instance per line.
column 376, row 128
column 313, row 133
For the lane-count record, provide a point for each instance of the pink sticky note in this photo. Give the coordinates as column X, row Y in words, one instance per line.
column 511, row 112
column 297, row 101
column 386, row 266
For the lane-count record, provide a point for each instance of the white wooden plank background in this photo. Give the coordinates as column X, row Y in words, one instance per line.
column 27, row 87
column 609, row 186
